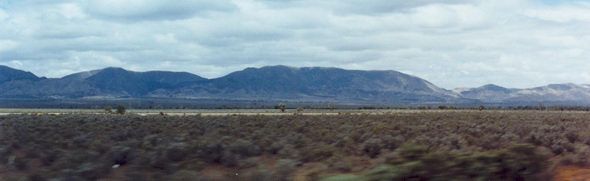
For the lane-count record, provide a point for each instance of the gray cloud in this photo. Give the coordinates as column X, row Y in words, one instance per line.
column 371, row 7
column 134, row 10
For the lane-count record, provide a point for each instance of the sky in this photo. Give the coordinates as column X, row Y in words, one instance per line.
column 451, row 43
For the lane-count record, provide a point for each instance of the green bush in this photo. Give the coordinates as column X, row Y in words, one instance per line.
column 185, row 175
column 121, row 110
column 411, row 162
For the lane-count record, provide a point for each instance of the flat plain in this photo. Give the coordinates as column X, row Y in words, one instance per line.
column 305, row 145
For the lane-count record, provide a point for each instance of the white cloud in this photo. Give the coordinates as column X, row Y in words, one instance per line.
column 6, row 45
column 3, row 15
column 72, row 11
column 563, row 14
column 458, row 43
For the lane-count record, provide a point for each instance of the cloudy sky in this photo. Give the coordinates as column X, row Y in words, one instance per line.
column 452, row 43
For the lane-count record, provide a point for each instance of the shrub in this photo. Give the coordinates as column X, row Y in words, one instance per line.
column 260, row 174
column 49, row 157
column 36, row 177
column 4, row 153
column 288, row 151
column 519, row 162
column 284, row 169
column 92, row 171
column 108, row 110
column 135, row 175
column 121, row 110
column 372, row 147
column 244, row 148
column 341, row 163
column 248, row 163
column 158, row 160
column 19, row 163
column 345, row 177
column 212, row 153
column 177, row 152
column 120, row 155
column 410, row 152
column 318, row 153
column 184, row 175
column 572, row 137
column 274, row 148
column 229, row 159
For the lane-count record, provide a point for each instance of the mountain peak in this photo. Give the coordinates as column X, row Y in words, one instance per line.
column 493, row 87
column 4, row 67
column 278, row 67
column 273, row 68
column 114, row 69
column 10, row 74
column 327, row 83
column 562, row 86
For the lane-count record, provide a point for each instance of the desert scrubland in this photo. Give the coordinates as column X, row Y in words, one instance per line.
column 411, row 145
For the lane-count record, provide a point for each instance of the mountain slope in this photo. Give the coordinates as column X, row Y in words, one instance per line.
column 320, row 84
column 8, row 74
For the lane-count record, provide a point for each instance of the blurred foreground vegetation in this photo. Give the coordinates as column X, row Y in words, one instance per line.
column 477, row 145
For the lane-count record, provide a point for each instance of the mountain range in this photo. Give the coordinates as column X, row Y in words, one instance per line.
column 276, row 83
column 562, row 94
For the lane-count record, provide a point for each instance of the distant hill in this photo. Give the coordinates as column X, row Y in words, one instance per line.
column 566, row 94
column 319, row 84
column 276, row 83
column 487, row 93
column 267, row 83
column 105, row 83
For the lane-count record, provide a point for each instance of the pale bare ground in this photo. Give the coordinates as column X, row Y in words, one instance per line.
column 248, row 112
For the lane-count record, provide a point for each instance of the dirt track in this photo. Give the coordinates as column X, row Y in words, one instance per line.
column 572, row 173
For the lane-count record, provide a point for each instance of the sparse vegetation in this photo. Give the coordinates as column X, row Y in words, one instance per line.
column 108, row 110
column 445, row 145
column 121, row 109
column 281, row 107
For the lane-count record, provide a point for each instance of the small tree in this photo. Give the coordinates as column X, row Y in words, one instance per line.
column 542, row 107
column 108, row 110
column 300, row 109
column 121, row 109
column 282, row 107
column 331, row 107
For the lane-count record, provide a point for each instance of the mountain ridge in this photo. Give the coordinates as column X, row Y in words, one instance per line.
column 265, row 83
column 551, row 93
column 278, row 83
column 10, row 74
